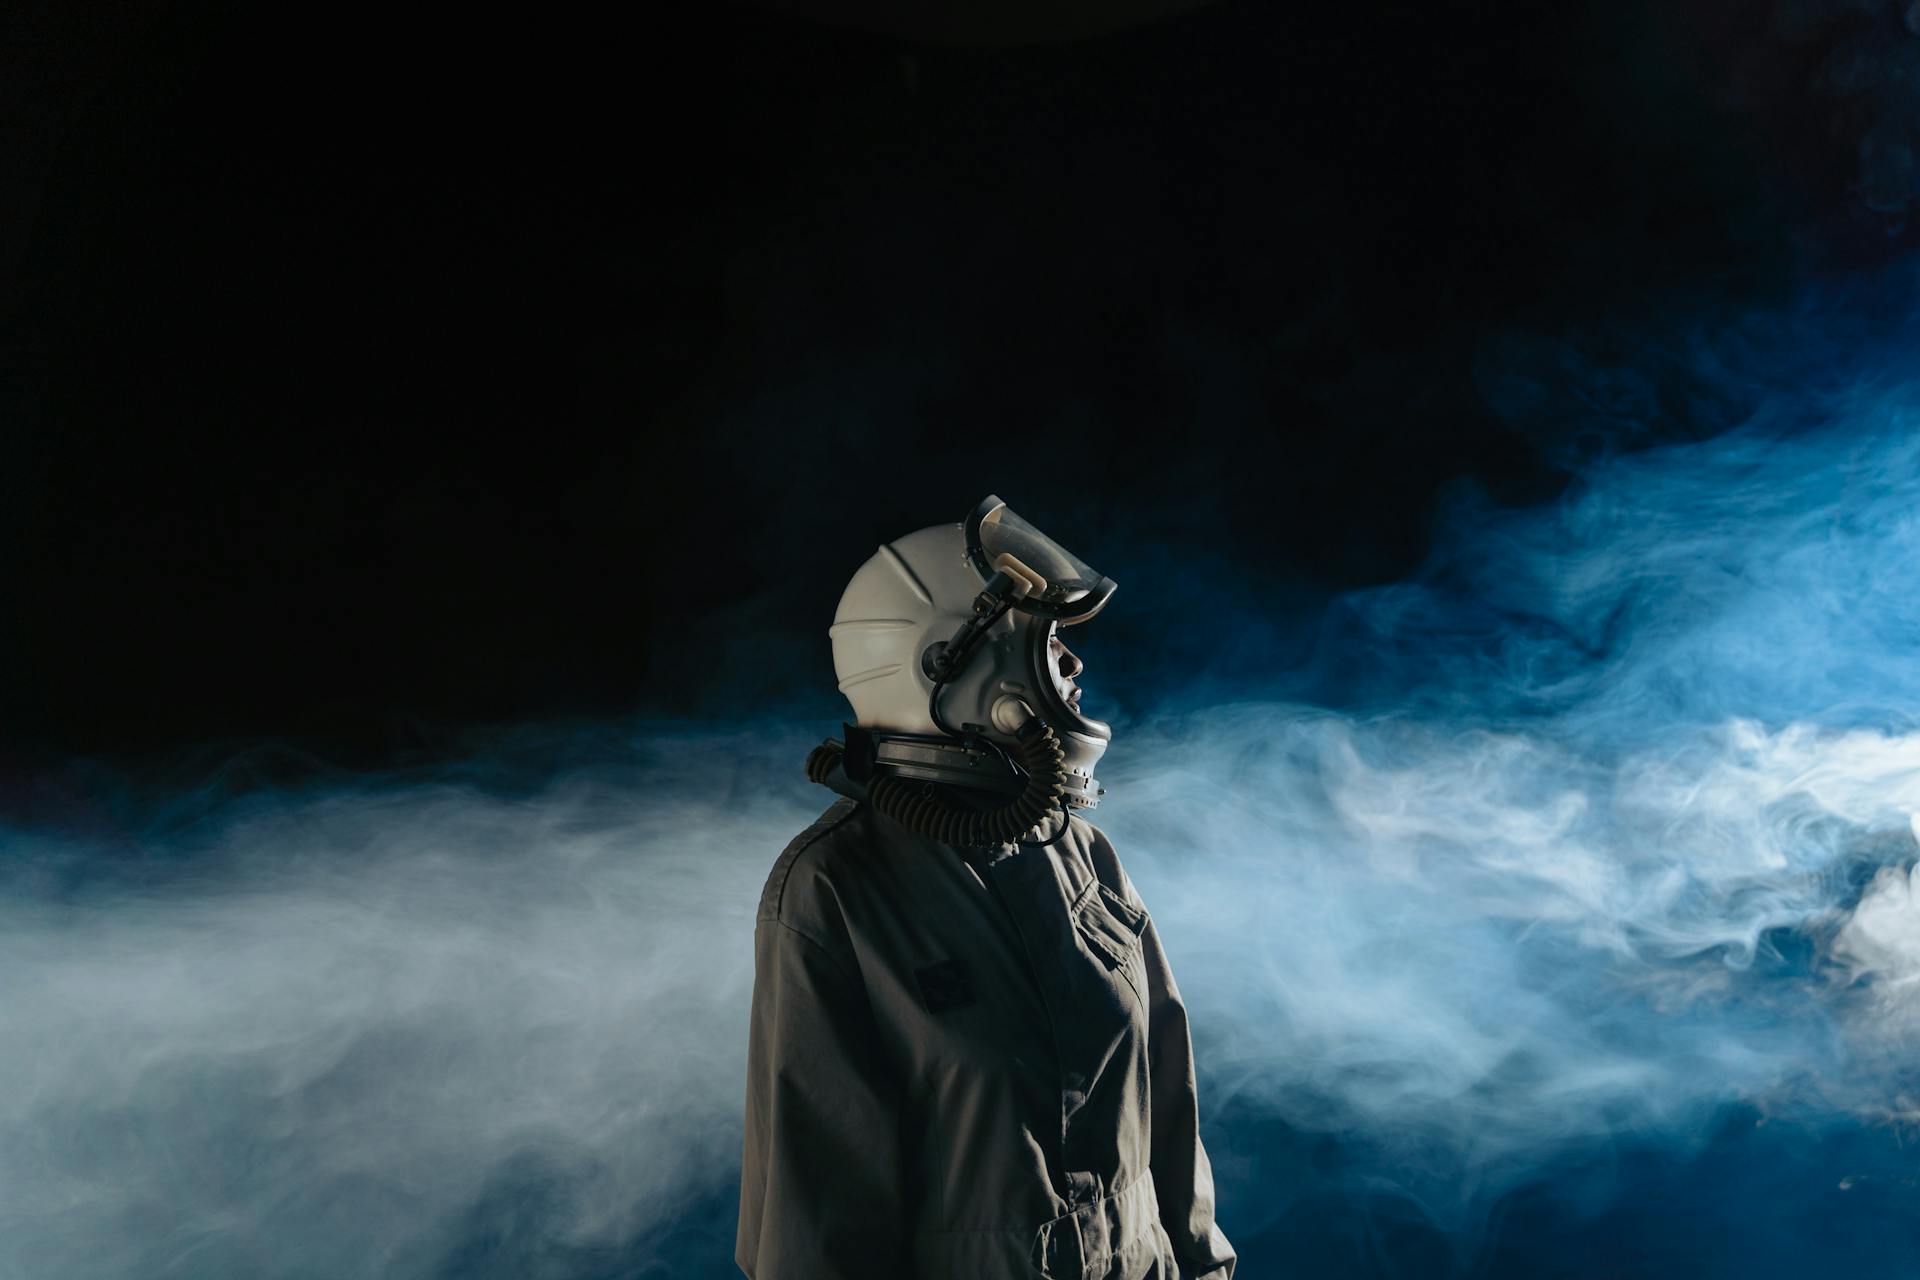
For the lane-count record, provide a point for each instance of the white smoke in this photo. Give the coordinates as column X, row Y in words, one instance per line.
column 1389, row 917
column 344, row 1034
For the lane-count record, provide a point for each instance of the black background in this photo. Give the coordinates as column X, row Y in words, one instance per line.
column 371, row 376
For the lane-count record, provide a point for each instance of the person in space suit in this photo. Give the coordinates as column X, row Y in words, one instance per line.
column 968, row 1058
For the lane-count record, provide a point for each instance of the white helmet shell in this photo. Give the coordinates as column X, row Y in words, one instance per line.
column 915, row 593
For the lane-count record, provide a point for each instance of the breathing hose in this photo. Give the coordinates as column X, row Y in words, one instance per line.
column 928, row 810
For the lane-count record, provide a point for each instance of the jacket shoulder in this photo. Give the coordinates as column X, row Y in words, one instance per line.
column 814, row 838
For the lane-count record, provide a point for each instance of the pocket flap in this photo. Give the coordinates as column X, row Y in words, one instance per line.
column 1110, row 923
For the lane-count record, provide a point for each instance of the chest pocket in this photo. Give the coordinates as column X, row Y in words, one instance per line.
column 1111, row 928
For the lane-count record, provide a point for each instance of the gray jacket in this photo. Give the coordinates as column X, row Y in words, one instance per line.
column 967, row 1065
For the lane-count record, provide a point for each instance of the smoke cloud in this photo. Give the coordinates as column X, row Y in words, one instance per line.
column 396, row 1029
column 1622, row 835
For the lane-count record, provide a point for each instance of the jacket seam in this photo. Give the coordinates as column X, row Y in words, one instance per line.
column 783, row 869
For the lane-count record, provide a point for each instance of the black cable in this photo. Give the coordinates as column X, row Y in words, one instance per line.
column 1066, row 821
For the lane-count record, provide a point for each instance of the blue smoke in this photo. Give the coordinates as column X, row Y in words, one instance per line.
column 1613, row 837
column 1559, row 917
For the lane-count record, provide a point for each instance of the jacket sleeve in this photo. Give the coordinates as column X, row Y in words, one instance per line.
column 821, row 1180
column 1182, row 1174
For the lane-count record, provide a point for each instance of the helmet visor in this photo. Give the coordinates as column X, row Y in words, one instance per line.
column 1074, row 590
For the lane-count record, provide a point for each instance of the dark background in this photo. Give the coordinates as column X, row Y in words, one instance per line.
column 371, row 375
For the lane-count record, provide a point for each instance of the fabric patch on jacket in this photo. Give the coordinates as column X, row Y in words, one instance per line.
column 943, row 985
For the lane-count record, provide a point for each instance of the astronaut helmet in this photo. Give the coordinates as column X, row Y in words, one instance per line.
column 947, row 634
